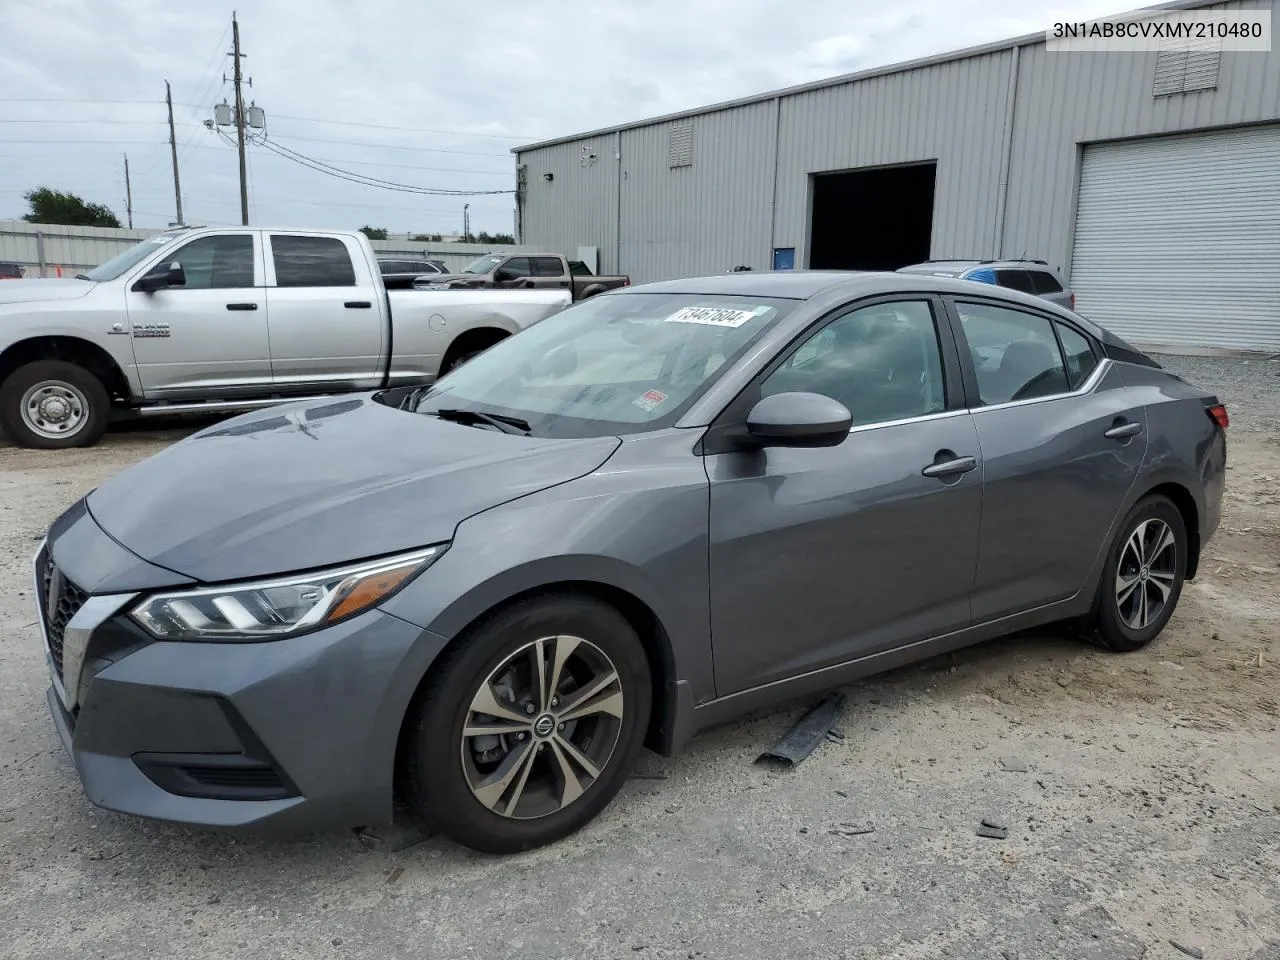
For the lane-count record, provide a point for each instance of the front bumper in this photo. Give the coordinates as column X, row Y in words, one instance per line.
column 290, row 734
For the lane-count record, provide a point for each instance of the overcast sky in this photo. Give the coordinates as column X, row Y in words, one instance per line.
column 428, row 94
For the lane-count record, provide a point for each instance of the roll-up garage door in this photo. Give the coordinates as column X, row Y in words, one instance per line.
column 1178, row 239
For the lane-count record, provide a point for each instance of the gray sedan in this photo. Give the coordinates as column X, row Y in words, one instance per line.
column 647, row 514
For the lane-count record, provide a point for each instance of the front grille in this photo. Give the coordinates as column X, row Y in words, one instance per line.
column 60, row 600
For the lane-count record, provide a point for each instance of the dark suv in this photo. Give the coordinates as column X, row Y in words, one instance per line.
column 1030, row 276
column 11, row 271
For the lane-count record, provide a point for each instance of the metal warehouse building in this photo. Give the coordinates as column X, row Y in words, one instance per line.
column 1151, row 180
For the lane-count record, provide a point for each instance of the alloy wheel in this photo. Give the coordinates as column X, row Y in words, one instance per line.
column 542, row 727
column 1146, row 574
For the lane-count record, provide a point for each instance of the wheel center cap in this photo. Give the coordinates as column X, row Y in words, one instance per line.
column 1143, row 574
column 55, row 409
column 544, row 726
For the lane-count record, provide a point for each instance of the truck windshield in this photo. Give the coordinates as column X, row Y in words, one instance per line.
column 611, row 365
column 123, row 261
column 483, row 265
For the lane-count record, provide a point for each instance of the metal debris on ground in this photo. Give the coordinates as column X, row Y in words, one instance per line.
column 993, row 829
column 853, row 829
column 1013, row 765
column 803, row 738
column 1189, row 951
column 395, row 874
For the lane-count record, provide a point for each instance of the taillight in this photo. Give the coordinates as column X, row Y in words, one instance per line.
column 626, row 282
column 1218, row 413
column 1073, row 301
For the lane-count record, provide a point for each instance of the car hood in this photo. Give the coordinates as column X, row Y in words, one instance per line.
column 318, row 484
column 29, row 291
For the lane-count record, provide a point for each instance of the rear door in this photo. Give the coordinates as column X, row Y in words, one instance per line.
column 325, row 312
column 211, row 333
column 549, row 273
column 1062, row 439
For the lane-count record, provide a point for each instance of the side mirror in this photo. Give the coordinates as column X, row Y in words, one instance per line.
column 502, row 275
column 162, row 276
column 799, row 420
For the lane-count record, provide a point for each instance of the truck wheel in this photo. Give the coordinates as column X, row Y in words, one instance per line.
column 591, row 291
column 52, row 404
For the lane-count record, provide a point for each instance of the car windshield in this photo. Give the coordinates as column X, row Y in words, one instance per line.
column 483, row 265
column 123, row 261
column 611, row 365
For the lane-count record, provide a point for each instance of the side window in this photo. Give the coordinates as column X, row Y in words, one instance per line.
column 517, row 267
column 547, row 267
column 311, row 262
column 1080, row 357
column 1014, row 280
column 579, row 269
column 883, row 362
column 215, row 263
column 1015, row 354
column 1044, row 282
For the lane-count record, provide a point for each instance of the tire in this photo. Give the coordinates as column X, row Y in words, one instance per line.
column 464, row 354
column 53, row 405
column 1116, row 621
column 456, row 781
column 591, row 291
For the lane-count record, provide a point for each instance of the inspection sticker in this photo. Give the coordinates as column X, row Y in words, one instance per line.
column 716, row 316
column 649, row 399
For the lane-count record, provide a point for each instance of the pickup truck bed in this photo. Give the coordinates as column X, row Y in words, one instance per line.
column 528, row 271
column 209, row 319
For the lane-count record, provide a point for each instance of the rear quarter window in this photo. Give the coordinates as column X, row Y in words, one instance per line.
column 1044, row 282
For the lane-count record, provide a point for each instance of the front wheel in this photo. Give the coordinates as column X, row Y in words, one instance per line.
column 53, row 404
column 530, row 726
column 1143, row 577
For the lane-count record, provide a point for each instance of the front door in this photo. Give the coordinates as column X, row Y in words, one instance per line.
column 822, row 556
column 1062, row 441
column 326, row 313
column 211, row 333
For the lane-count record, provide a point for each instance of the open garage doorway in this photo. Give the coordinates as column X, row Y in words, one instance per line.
column 876, row 219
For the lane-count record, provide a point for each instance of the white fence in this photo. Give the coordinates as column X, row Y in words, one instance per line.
column 49, row 250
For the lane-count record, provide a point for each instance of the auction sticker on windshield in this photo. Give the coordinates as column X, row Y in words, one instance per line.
column 649, row 399
column 716, row 316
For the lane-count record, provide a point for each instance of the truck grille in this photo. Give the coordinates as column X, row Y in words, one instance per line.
column 60, row 600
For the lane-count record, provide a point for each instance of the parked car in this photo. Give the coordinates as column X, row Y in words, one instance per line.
column 548, row 271
column 224, row 319
column 11, row 271
column 494, row 590
column 401, row 272
column 1027, row 276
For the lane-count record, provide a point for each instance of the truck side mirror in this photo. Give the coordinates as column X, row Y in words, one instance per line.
column 502, row 274
column 164, row 275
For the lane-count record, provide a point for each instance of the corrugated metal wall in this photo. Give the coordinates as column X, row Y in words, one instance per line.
column 76, row 249
column 729, row 208
column 1067, row 100
column 579, row 205
column 708, row 216
column 953, row 113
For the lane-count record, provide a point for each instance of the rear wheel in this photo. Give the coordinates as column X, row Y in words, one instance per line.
column 531, row 725
column 53, row 404
column 1143, row 578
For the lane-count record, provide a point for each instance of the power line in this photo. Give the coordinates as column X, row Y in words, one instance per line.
column 72, row 100
column 393, row 146
column 414, row 166
column 387, row 126
column 82, row 120
column 366, row 180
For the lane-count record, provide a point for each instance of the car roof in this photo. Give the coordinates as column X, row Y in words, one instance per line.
column 834, row 286
column 956, row 267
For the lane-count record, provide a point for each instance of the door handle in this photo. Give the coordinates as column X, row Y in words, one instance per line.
column 949, row 468
column 1123, row 431
column 242, row 306
column 358, row 305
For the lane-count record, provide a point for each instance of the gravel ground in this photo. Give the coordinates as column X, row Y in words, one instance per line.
column 1147, row 812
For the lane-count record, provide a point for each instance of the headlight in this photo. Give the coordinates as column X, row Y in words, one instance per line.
column 268, row 609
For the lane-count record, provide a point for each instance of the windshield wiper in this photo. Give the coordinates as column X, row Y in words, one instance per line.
column 497, row 420
column 81, row 276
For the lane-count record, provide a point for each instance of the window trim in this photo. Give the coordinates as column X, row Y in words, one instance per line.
column 720, row 432
column 973, row 396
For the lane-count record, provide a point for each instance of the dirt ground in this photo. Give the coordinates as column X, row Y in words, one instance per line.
column 1147, row 812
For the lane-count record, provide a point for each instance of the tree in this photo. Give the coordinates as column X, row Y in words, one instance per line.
column 374, row 233
column 426, row 237
column 54, row 206
column 494, row 238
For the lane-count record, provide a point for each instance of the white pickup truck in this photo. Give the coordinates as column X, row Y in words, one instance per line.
column 208, row 318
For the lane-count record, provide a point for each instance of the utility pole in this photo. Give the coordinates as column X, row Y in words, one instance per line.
column 173, row 152
column 128, row 191
column 236, row 54
column 466, row 223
